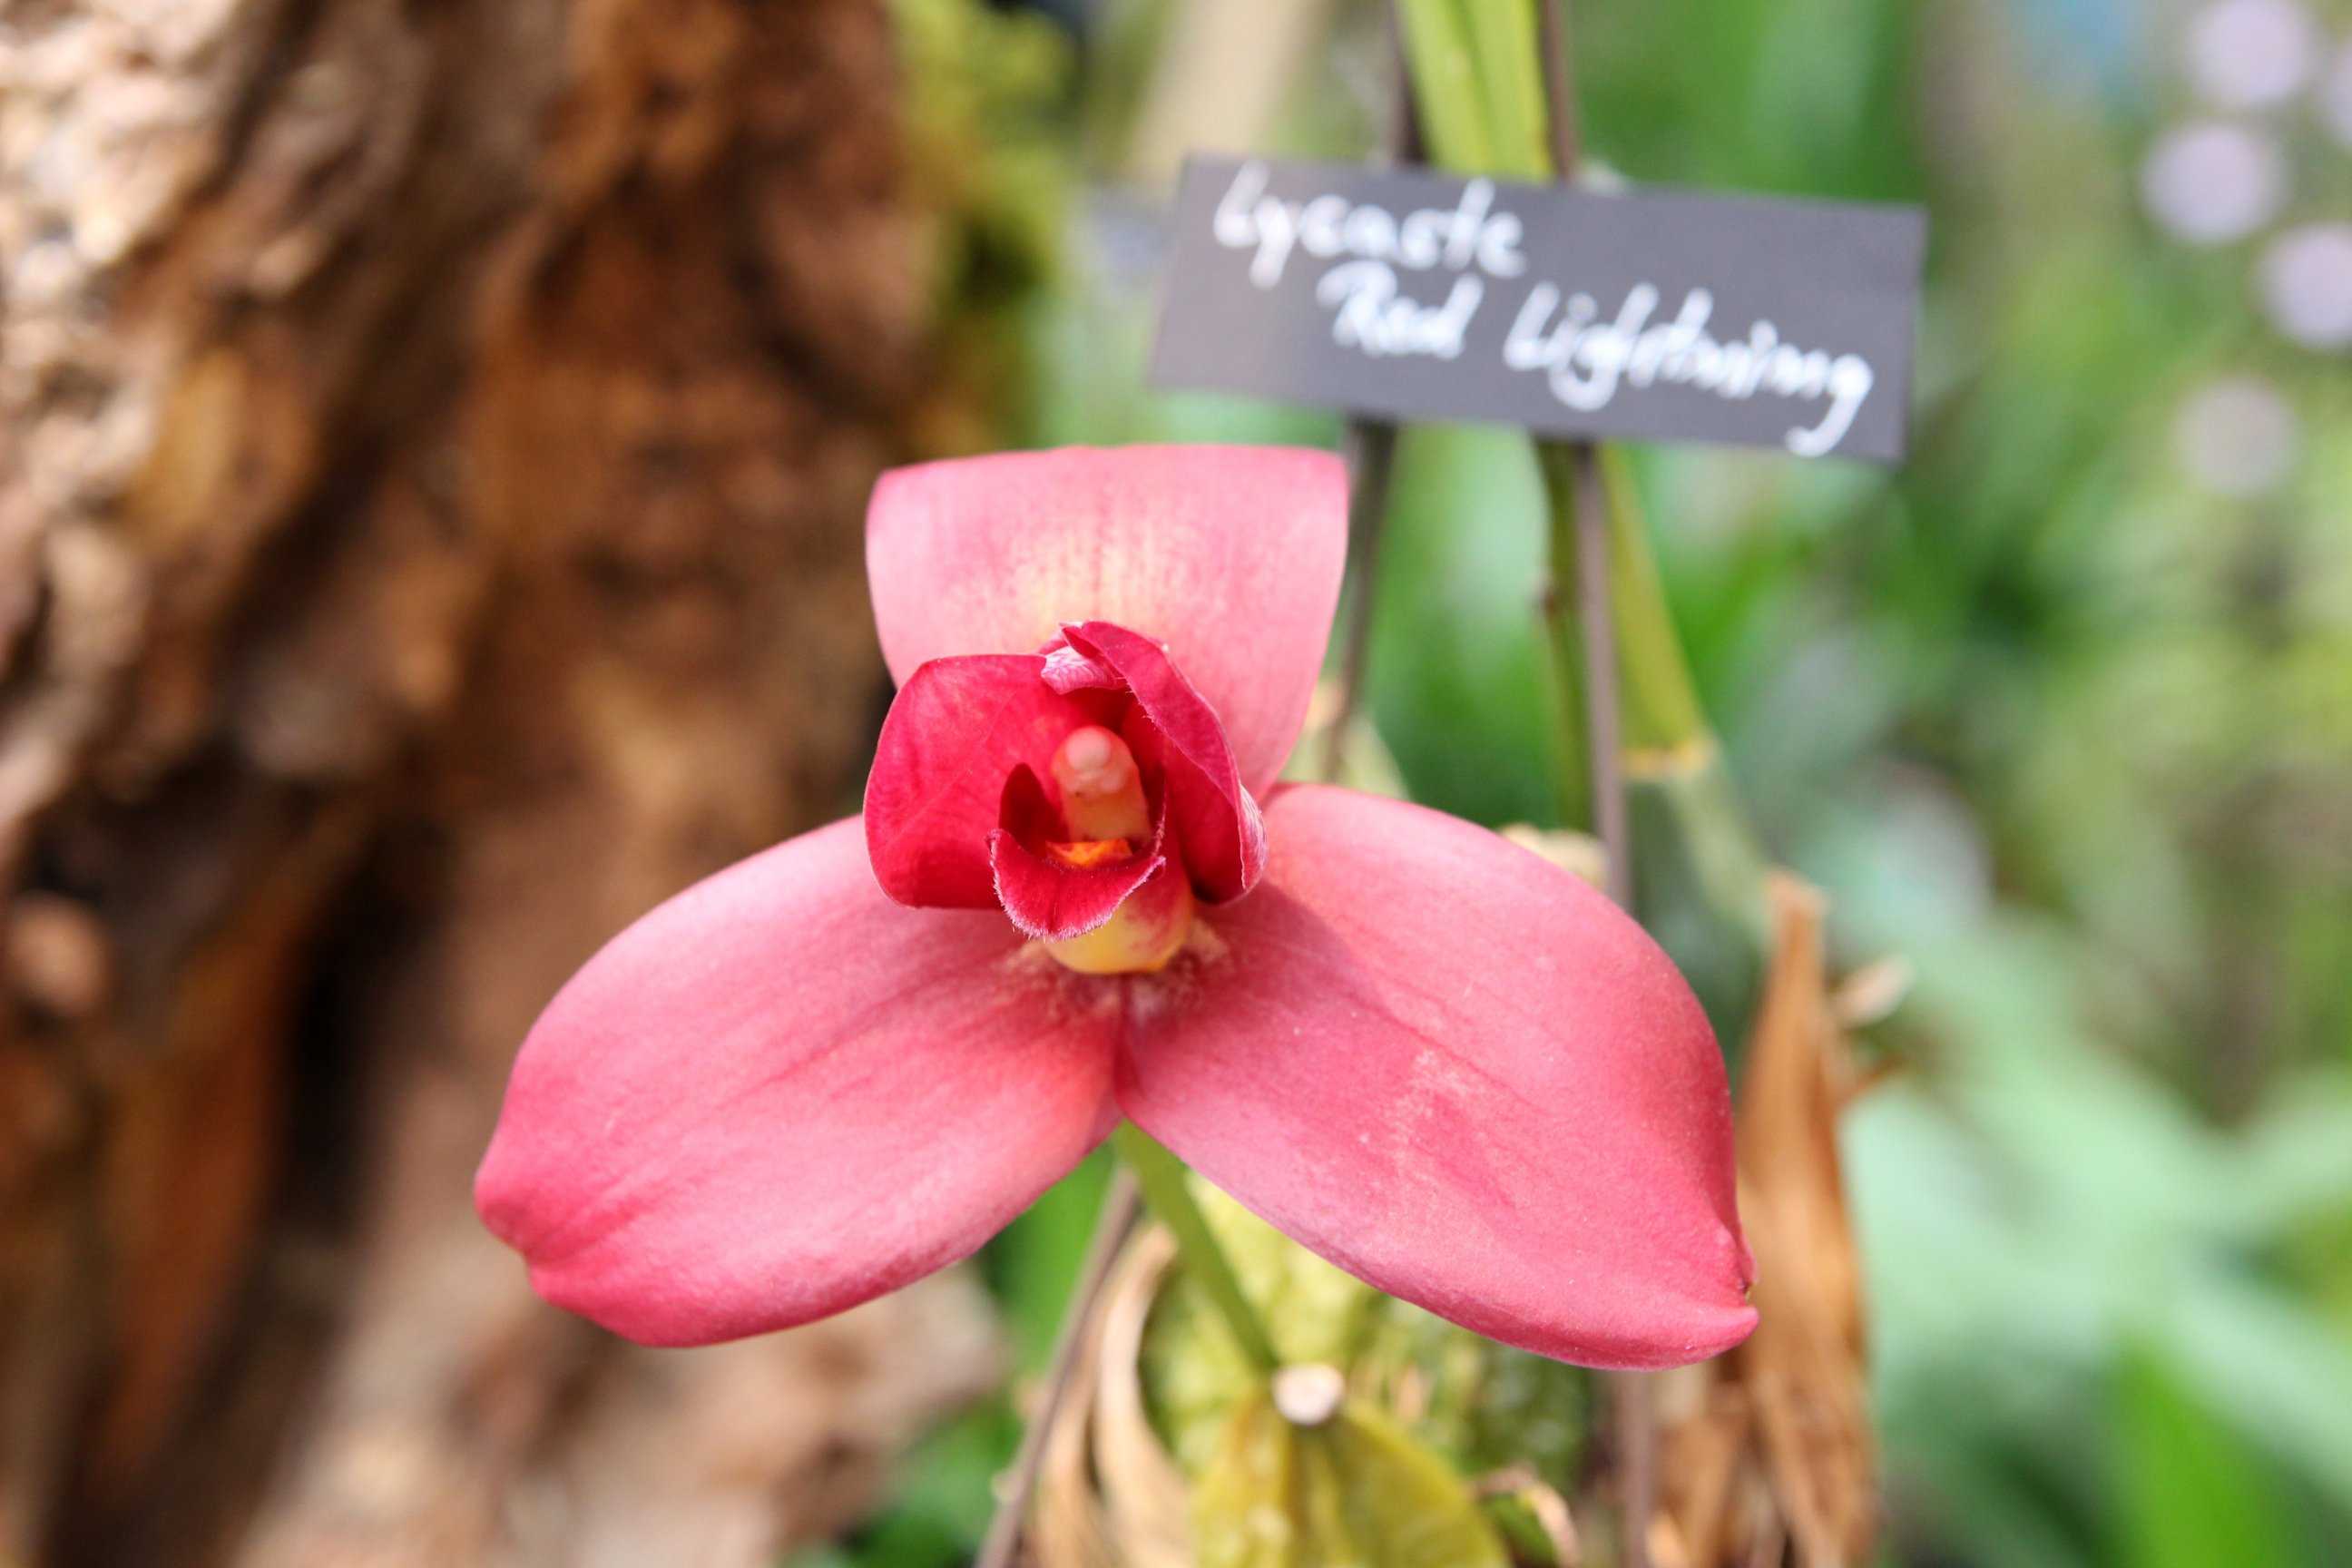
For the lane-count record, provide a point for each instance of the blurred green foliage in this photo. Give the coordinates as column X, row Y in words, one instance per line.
column 986, row 131
column 2193, row 1497
column 1457, row 679
column 2069, row 731
column 940, row 1502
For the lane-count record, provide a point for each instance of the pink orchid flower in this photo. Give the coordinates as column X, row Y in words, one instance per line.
column 1077, row 893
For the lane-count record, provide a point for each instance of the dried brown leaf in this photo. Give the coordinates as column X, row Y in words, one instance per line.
column 1802, row 1369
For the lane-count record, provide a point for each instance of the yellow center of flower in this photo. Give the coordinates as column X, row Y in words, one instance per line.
column 1106, row 816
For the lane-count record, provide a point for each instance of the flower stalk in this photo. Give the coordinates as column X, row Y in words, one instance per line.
column 1699, row 880
column 1586, row 645
column 1162, row 1176
column 1659, row 702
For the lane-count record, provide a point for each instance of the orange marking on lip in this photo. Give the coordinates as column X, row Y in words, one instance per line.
column 1088, row 853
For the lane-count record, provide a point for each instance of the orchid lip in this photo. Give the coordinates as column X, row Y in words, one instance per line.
column 1149, row 929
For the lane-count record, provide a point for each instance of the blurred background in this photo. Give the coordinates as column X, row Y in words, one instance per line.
column 433, row 447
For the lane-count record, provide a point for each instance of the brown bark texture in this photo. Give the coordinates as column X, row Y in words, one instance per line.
column 434, row 435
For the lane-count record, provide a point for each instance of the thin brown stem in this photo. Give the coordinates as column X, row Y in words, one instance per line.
column 1597, row 622
column 1369, row 447
column 1559, row 89
column 1401, row 138
column 1630, row 1393
column 1120, row 1205
column 1634, row 1399
column 1371, row 454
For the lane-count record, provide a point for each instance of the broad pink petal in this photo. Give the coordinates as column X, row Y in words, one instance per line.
column 958, row 730
column 1217, row 825
column 1462, row 1075
column 1231, row 555
column 780, row 1094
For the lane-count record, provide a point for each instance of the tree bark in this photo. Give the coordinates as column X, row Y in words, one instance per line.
column 433, row 441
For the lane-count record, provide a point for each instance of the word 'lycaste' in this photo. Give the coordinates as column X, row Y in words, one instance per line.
column 1332, row 226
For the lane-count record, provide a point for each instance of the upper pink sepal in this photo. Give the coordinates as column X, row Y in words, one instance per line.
column 1463, row 1076
column 780, row 1094
column 1215, row 822
column 958, row 732
column 1230, row 555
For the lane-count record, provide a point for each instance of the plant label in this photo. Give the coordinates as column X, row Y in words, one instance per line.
column 1658, row 315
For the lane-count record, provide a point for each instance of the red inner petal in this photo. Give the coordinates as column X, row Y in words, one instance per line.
column 962, row 810
column 1179, row 739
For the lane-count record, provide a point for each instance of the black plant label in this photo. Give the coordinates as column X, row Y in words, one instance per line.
column 1660, row 315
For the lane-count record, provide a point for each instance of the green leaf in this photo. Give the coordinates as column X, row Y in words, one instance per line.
column 1480, row 1405
column 1242, row 1505
column 1357, row 1492
column 1399, row 1500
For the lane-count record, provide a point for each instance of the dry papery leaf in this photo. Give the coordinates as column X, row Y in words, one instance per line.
column 1110, row 1496
column 1769, row 1451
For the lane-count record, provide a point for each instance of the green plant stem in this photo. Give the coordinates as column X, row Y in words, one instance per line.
column 1502, row 35
column 1661, row 708
column 1478, row 84
column 1445, row 83
column 1162, row 1176
column 1661, row 702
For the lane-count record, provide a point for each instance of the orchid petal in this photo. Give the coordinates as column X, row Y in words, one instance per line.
column 1462, row 1075
column 780, row 1094
column 1231, row 555
column 1217, row 824
column 958, row 731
